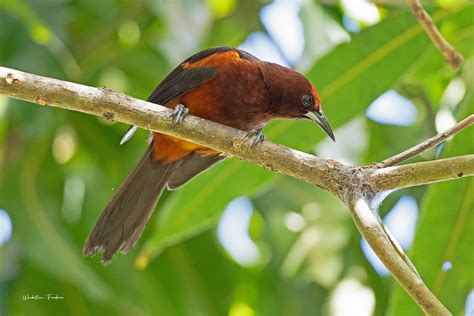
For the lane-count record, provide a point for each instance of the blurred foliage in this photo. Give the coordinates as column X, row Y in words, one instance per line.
column 58, row 168
column 448, row 245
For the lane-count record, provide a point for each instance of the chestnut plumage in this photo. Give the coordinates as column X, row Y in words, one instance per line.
column 225, row 85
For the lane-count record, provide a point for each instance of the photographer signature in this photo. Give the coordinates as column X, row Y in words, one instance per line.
column 36, row 297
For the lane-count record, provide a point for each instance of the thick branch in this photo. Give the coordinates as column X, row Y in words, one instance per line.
column 119, row 107
column 369, row 225
column 427, row 144
column 327, row 174
column 449, row 52
column 421, row 173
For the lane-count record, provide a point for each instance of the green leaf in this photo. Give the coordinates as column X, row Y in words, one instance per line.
column 345, row 79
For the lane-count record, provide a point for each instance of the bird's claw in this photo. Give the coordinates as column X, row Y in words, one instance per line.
column 257, row 136
column 179, row 113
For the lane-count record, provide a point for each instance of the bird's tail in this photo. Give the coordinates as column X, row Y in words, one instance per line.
column 124, row 218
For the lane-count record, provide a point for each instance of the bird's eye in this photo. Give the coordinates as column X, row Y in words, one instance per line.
column 307, row 101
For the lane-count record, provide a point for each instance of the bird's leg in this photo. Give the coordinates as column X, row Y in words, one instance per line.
column 179, row 113
column 257, row 136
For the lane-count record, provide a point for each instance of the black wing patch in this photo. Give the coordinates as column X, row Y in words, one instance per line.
column 182, row 80
column 179, row 82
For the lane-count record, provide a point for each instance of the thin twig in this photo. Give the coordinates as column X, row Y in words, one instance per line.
column 449, row 52
column 368, row 223
column 427, row 144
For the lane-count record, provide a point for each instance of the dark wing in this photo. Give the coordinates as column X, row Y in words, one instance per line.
column 190, row 167
column 179, row 82
column 182, row 80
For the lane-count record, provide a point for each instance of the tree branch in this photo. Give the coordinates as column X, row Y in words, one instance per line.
column 343, row 181
column 119, row 107
column 449, row 52
column 427, row 144
column 368, row 223
column 421, row 173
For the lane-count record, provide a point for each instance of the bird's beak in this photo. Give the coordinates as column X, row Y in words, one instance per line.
column 322, row 121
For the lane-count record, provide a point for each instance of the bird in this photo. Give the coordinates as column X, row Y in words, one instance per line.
column 223, row 84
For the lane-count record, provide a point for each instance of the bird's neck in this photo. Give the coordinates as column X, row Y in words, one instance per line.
column 279, row 81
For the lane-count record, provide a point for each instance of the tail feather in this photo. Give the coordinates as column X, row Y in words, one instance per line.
column 125, row 217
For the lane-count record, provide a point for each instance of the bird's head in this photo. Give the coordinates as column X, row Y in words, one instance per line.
column 310, row 107
column 296, row 97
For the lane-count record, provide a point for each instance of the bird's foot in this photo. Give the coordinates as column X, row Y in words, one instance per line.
column 256, row 135
column 179, row 113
